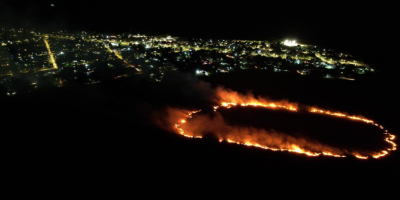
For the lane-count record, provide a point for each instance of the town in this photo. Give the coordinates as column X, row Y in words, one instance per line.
column 31, row 59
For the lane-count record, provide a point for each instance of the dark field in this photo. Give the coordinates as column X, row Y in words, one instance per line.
column 332, row 131
column 110, row 128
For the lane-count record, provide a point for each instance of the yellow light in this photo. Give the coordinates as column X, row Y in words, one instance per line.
column 290, row 43
column 52, row 60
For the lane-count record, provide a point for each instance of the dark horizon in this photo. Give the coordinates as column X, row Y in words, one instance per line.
column 356, row 29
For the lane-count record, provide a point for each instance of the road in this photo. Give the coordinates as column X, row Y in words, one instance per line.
column 52, row 59
column 318, row 55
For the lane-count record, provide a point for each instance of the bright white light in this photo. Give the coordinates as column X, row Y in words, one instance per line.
column 290, row 43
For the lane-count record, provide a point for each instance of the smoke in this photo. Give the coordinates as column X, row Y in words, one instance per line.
column 188, row 88
column 186, row 92
column 217, row 125
column 212, row 122
column 226, row 95
column 168, row 117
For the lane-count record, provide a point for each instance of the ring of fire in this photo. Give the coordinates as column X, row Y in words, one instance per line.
column 294, row 148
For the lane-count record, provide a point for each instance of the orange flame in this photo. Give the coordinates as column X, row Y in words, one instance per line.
column 270, row 140
column 231, row 98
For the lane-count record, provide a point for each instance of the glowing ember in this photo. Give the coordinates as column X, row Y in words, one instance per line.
column 290, row 147
column 384, row 153
column 361, row 157
column 388, row 139
column 333, row 155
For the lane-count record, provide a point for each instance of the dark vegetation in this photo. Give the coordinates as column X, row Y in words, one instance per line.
column 110, row 126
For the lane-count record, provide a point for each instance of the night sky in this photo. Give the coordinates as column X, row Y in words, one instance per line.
column 328, row 21
column 366, row 30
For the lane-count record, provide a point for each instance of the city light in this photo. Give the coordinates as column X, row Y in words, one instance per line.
column 290, row 43
column 52, row 60
column 232, row 59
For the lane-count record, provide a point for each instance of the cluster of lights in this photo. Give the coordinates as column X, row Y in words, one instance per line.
column 119, row 56
column 290, row 43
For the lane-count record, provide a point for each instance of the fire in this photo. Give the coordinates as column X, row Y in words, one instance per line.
column 389, row 139
column 297, row 149
column 272, row 141
column 384, row 153
column 271, row 105
column 392, row 137
column 361, row 157
column 333, row 155
column 230, row 98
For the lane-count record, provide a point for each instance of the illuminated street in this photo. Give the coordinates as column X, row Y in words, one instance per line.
column 52, row 60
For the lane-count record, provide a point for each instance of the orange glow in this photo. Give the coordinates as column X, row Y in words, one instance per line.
column 228, row 98
column 333, row 155
column 384, row 153
column 270, row 140
column 361, row 157
column 388, row 139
